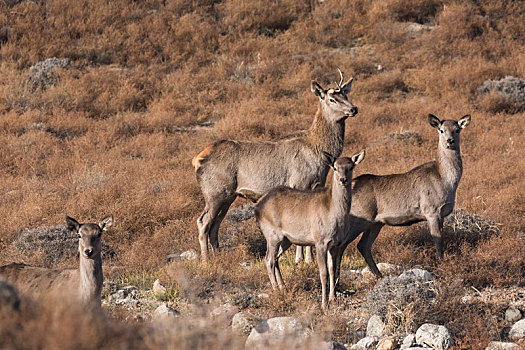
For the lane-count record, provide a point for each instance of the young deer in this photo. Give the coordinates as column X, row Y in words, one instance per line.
column 317, row 218
column 227, row 169
column 427, row 192
column 87, row 280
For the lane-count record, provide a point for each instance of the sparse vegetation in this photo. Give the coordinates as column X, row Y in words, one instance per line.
column 150, row 83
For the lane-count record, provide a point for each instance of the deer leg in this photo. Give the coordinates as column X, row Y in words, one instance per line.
column 272, row 246
column 214, row 231
column 298, row 254
column 332, row 261
column 204, row 223
column 285, row 244
column 435, row 225
column 308, row 255
column 321, row 262
column 365, row 247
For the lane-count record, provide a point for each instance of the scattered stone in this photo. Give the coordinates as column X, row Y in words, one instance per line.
column 384, row 268
column 375, row 327
column 386, row 344
column 364, row 344
column 467, row 299
column 225, row 312
column 186, row 255
column 164, row 312
column 498, row 345
column 243, row 323
column 118, row 295
column 435, row 336
column 263, row 296
column 517, row 331
column 9, row 299
column 408, row 341
column 512, row 314
column 158, row 289
column 416, row 28
column 42, row 74
column 419, row 274
column 276, row 333
column 131, row 303
column 245, row 264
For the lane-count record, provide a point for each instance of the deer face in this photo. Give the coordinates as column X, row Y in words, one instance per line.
column 334, row 102
column 449, row 130
column 89, row 235
column 344, row 166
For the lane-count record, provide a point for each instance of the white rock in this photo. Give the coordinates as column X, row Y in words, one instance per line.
column 498, row 345
column 365, row 343
column 437, row 337
column 164, row 312
column 386, row 344
column 189, row 255
column 408, row 341
column 384, row 268
column 276, row 332
column 512, row 314
column 517, row 331
column 375, row 327
column 158, row 288
column 420, row 274
column 243, row 322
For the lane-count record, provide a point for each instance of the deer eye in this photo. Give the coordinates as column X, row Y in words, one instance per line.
column 441, row 131
column 79, row 235
column 332, row 100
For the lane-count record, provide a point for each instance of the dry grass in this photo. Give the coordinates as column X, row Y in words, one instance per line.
column 116, row 130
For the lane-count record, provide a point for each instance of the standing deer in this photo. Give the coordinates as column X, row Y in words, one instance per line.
column 227, row 169
column 87, row 280
column 427, row 192
column 317, row 218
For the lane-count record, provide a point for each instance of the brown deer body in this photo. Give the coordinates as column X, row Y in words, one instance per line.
column 86, row 281
column 317, row 218
column 227, row 169
column 425, row 193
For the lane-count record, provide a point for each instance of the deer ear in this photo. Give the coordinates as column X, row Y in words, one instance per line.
column 318, row 90
column 106, row 222
column 463, row 122
column 358, row 158
column 347, row 87
column 330, row 160
column 434, row 121
column 72, row 224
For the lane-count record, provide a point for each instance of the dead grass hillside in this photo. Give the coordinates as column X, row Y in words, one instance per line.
column 148, row 84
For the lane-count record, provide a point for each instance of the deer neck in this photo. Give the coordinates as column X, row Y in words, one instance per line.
column 450, row 166
column 325, row 135
column 341, row 197
column 90, row 279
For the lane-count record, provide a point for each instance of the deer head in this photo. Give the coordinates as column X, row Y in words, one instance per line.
column 89, row 235
column 334, row 102
column 449, row 130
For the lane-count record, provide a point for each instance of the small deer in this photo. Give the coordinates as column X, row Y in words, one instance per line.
column 227, row 169
column 317, row 218
column 87, row 280
column 427, row 192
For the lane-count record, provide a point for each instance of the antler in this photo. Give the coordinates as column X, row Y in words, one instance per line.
column 341, row 81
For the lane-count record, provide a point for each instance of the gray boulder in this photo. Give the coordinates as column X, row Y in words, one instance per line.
column 164, row 312
column 375, row 327
column 517, row 331
column 242, row 323
column 512, row 314
column 435, row 336
column 225, row 313
column 364, row 344
column 329, row 345
column 408, row 341
column 277, row 332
